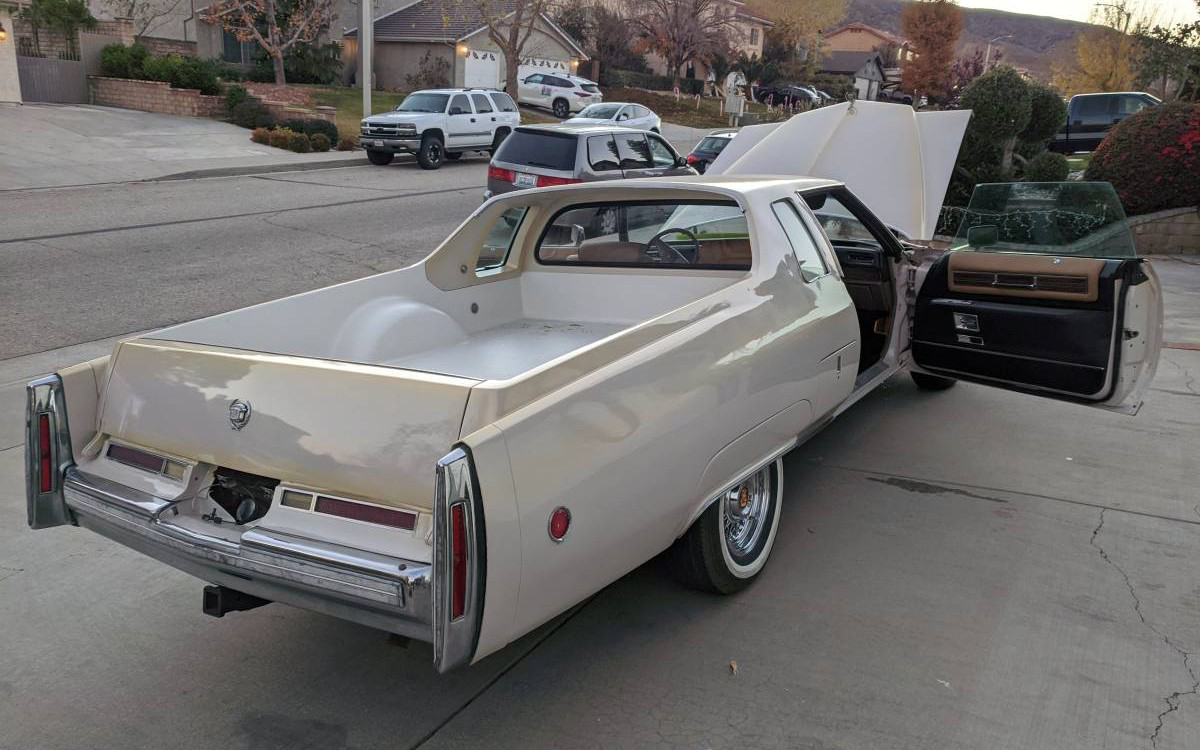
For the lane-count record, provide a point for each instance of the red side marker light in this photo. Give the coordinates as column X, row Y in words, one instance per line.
column 45, row 455
column 458, row 561
column 560, row 523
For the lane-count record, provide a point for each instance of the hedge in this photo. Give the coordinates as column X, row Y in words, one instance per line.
column 1153, row 158
column 634, row 80
column 135, row 62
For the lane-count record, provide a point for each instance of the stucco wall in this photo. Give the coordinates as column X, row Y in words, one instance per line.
column 10, row 83
column 394, row 61
column 540, row 45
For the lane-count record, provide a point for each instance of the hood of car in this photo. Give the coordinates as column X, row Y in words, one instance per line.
column 896, row 160
column 394, row 117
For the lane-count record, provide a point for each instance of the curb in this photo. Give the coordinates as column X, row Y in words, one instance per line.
column 359, row 159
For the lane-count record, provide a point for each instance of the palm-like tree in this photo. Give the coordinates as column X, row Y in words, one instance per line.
column 755, row 69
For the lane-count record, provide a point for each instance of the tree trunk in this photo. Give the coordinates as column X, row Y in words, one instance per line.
column 1006, row 161
column 510, row 75
column 277, row 63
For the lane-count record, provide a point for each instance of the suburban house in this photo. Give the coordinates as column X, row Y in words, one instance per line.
column 864, row 69
column 859, row 37
column 747, row 32
column 452, row 36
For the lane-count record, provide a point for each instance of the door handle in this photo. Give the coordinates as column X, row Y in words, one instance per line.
column 493, row 119
column 472, row 119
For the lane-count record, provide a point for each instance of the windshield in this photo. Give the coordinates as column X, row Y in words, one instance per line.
column 1061, row 218
column 600, row 111
column 424, row 103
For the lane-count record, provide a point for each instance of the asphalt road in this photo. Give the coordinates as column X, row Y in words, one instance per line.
column 967, row 569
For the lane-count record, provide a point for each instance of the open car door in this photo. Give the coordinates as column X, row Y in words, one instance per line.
column 1043, row 293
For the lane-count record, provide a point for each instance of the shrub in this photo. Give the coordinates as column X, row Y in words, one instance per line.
column 182, row 72
column 119, row 61
column 1047, row 114
column 1047, row 167
column 632, row 79
column 320, row 142
column 295, row 124
column 1153, row 158
column 235, row 95
column 251, row 114
column 298, row 142
column 281, row 138
column 323, row 127
column 347, row 144
column 432, row 73
column 261, row 135
column 302, row 63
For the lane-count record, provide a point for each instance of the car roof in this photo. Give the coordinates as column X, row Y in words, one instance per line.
column 584, row 129
column 458, row 91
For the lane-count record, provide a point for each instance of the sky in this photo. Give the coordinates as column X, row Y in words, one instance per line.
column 1079, row 10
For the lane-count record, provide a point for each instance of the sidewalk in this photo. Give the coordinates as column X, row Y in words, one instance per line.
column 60, row 145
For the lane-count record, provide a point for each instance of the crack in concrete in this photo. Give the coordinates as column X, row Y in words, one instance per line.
column 928, row 488
column 1174, row 699
column 1189, row 378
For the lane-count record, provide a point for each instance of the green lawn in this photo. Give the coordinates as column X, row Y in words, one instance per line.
column 1079, row 161
column 348, row 102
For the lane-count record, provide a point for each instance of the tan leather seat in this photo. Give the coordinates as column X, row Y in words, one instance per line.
column 611, row 252
column 731, row 252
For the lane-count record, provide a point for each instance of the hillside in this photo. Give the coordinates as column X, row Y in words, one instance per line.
column 1037, row 43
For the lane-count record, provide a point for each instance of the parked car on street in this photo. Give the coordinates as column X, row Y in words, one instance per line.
column 440, row 124
column 787, row 95
column 618, row 113
column 560, row 93
column 561, row 154
column 709, row 148
column 463, row 449
column 1091, row 116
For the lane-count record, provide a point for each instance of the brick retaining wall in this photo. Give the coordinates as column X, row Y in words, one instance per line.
column 154, row 96
column 161, row 46
column 1175, row 231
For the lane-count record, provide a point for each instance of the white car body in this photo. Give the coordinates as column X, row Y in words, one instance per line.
column 618, row 113
column 558, row 92
column 631, row 396
column 467, row 120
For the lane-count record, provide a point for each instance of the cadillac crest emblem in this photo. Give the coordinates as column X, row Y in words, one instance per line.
column 239, row 414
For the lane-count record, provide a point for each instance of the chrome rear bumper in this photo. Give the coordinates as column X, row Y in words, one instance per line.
column 372, row 589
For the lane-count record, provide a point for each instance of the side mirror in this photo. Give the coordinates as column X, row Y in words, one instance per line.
column 681, row 161
column 984, row 235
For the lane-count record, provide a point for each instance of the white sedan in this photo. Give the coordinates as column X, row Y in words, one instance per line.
column 618, row 113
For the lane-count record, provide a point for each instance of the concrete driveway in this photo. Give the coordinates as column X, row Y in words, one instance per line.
column 57, row 145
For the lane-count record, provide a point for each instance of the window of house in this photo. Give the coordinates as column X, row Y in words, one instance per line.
column 754, row 36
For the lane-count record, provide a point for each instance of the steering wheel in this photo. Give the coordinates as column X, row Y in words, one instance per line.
column 658, row 238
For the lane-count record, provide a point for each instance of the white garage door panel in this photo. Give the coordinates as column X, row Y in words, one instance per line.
column 482, row 70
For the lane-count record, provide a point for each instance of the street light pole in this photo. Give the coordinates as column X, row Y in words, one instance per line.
column 366, row 48
column 987, row 58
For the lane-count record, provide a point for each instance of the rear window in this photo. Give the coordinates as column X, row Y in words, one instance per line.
column 504, row 102
column 648, row 234
column 591, row 88
column 713, row 145
column 539, row 149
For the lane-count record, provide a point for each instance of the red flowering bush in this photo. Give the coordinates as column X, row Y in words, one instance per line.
column 1153, row 158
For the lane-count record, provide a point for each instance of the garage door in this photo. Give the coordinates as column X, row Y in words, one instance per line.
column 482, row 70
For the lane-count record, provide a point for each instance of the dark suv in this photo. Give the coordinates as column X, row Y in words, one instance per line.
column 544, row 155
column 1091, row 116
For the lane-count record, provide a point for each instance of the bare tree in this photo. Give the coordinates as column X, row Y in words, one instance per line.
column 147, row 15
column 277, row 25
column 509, row 25
column 682, row 30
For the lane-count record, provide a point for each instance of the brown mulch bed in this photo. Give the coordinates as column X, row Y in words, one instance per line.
column 287, row 94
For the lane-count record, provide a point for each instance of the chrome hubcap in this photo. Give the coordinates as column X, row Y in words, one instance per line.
column 746, row 512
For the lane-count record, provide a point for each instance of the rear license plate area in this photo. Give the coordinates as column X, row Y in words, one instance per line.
column 525, row 180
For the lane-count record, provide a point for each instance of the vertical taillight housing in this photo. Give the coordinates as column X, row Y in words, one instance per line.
column 47, row 452
column 459, row 561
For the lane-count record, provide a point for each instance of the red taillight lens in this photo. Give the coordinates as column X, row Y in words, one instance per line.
column 45, row 454
column 691, row 159
column 370, row 513
column 582, row 93
column 458, row 561
column 499, row 173
column 552, row 181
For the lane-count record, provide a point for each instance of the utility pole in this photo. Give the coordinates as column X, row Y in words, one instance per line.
column 987, row 58
column 366, row 49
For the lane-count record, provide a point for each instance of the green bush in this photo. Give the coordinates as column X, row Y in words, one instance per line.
column 251, row 114
column 235, row 95
column 632, row 79
column 1000, row 101
column 281, row 138
column 1047, row 167
column 119, row 61
column 299, row 143
column 261, row 135
column 1047, row 114
column 317, row 126
column 320, row 142
column 303, row 63
column 1153, row 158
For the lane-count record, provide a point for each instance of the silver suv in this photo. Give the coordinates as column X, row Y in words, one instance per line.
column 544, row 155
column 440, row 124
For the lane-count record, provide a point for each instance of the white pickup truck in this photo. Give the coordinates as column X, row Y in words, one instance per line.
column 461, row 450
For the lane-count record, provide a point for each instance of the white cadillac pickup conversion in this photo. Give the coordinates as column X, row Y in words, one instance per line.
column 461, row 450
